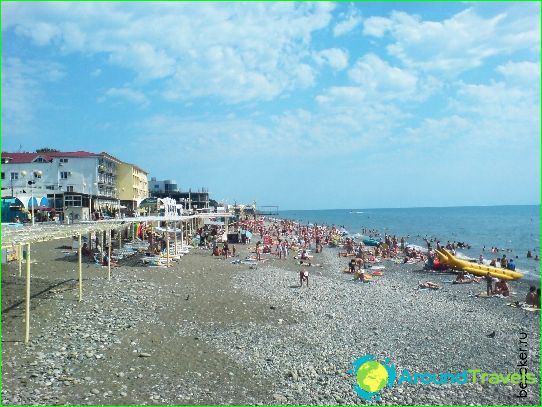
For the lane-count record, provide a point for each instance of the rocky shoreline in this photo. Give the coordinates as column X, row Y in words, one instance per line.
column 206, row 331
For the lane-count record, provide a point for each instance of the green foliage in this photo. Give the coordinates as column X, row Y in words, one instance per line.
column 46, row 150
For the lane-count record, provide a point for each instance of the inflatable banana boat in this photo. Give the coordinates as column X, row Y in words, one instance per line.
column 475, row 268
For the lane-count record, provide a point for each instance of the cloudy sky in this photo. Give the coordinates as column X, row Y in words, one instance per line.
column 301, row 105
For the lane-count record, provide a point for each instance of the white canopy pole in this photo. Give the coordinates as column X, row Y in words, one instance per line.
column 109, row 257
column 80, row 257
column 27, row 308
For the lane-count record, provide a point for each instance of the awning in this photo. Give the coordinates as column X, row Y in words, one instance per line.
column 32, row 202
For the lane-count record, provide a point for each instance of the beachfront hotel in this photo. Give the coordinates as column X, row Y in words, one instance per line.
column 72, row 183
column 133, row 186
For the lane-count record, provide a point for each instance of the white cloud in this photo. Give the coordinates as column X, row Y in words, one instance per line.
column 376, row 76
column 230, row 51
column 350, row 21
column 492, row 116
column 459, row 43
column 522, row 72
column 376, row 26
column 126, row 93
column 334, row 57
column 350, row 95
column 22, row 92
column 512, row 107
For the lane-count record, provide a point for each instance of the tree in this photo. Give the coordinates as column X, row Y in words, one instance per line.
column 46, row 150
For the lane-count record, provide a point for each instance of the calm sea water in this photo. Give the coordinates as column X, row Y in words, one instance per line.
column 506, row 227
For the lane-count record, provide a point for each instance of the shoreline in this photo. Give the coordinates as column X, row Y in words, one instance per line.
column 531, row 275
column 223, row 333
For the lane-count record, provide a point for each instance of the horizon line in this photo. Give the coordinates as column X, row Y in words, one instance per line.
column 409, row 207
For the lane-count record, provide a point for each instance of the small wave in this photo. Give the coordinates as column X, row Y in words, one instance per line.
column 416, row 247
column 463, row 256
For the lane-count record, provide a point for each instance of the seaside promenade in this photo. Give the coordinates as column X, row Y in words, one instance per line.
column 209, row 331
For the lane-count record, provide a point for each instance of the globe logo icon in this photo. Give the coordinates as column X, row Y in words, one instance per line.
column 372, row 376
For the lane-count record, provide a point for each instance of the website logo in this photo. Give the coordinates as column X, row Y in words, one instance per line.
column 372, row 376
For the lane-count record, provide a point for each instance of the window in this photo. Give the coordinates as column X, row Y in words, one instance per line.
column 51, row 187
column 73, row 200
column 40, row 160
column 69, row 188
column 63, row 160
column 14, row 175
column 64, row 174
column 156, row 186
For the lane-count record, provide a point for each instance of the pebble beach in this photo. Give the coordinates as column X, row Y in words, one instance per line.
column 206, row 331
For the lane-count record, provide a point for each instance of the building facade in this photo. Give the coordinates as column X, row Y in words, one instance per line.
column 133, row 186
column 189, row 201
column 62, row 179
column 163, row 187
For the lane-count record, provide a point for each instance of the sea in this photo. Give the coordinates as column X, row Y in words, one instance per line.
column 513, row 229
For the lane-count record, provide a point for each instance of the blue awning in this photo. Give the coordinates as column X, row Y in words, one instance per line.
column 32, row 202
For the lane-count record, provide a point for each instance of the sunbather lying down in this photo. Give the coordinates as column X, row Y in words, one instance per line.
column 428, row 284
column 309, row 264
column 463, row 278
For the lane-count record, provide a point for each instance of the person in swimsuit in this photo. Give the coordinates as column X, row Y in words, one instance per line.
column 352, row 265
column 531, row 296
column 502, row 288
column 489, row 281
column 428, row 284
column 225, row 250
column 258, row 251
column 303, row 276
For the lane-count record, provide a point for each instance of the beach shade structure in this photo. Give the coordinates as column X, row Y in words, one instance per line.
column 32, row 202
column 44, row 201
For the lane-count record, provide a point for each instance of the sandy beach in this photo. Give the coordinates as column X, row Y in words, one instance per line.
column 206, row 331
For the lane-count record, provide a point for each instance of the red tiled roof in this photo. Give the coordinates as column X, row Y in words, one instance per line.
column 22, row 158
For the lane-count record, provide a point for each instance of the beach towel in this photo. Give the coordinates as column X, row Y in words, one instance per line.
column 523, row 306
column 481, row 295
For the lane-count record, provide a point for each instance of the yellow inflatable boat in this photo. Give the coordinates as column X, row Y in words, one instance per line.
column 477, row 269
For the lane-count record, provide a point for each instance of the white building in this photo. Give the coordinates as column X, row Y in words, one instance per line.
column 62, row 179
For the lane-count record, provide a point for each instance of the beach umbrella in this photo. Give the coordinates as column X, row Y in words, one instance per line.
column 32, row 202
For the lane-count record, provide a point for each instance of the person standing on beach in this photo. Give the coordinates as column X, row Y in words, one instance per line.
column 489, row 282
column 303, row 276
column 258, row 251
column 504, row 262
column 226, row 249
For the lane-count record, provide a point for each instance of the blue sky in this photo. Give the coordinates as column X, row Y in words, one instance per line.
column 301, row 105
